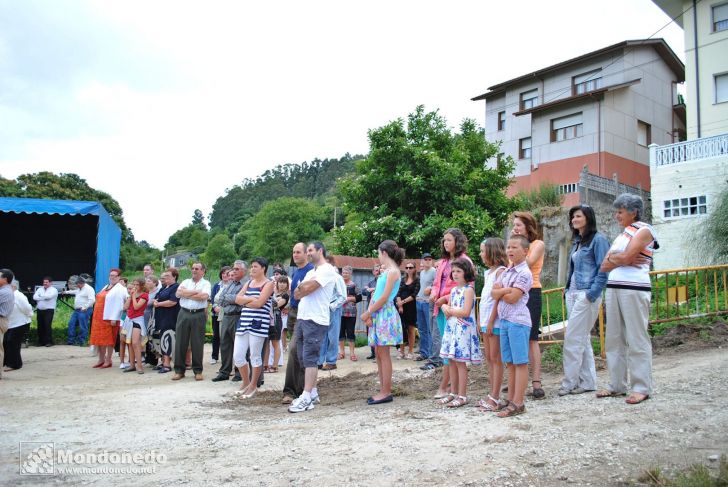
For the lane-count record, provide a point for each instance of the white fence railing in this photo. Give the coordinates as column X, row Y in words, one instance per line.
column 689, row 151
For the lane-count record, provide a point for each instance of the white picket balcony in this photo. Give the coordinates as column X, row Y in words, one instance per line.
column 691, row 150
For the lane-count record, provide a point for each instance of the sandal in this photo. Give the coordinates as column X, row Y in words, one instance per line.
column 633, row 399
column 607, row 393
column 341, row 356
column 446, row 399
column 511, row 410
column 353, row 358
column 272, row 370
column 538, row 392
column 459, row 401
column 489, row 404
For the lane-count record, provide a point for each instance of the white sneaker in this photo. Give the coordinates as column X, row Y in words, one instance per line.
column 213, row 361
column 92, row 350
column 300, row 405
column 124, row 365
column 316, row 399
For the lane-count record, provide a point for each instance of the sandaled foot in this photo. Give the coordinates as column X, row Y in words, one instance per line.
column 341, row 356
column 459, row 401
column 538, row 392
column 511, row 410
column 353, row 358
column 602, row 393
column 489, row 404
column 272, row 370
column 440, row 395
column 636, row 398
column 447, row 399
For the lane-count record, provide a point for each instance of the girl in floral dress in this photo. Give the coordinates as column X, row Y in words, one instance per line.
column 460, row 342
column 385, row 327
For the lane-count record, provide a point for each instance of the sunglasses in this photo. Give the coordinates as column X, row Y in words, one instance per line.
column 409, row 267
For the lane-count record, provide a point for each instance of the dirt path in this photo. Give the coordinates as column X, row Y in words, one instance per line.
column 208, row 437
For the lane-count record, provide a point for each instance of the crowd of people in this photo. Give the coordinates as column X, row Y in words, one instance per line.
column 161, row 324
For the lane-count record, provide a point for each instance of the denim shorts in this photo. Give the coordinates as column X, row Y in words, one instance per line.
column 309, row 337
column 514, row 342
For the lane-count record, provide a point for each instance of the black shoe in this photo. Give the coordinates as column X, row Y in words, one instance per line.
column 220, row 377
column 320, row 367
column 48, row 344
column 420, row 358
column 371, row 401
column 237, row 378
column 371, row 357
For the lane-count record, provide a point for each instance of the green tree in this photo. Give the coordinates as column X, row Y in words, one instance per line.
column 278, row 225
column 194, row 237
column 315, row 179
column 219, row 252
column 47, row 185
column 419, row 179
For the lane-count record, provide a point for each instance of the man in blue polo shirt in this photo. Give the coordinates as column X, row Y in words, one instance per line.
column 293, row 386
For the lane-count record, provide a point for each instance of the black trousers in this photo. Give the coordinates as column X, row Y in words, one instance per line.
column 45, row 326
column 295, row 374
column 12, row 341
column 215, row 337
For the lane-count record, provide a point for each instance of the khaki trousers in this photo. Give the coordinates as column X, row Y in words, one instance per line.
column 629, row 348
column 579, row 369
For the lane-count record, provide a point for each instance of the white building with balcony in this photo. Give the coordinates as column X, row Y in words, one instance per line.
column 687, row 178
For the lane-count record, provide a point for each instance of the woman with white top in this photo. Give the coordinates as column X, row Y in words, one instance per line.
column 628, row 295
column 18, row 325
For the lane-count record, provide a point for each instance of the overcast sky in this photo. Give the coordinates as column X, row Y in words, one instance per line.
column 165, row 104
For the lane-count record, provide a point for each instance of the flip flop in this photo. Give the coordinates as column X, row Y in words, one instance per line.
column 632, row 399
column 607, row 393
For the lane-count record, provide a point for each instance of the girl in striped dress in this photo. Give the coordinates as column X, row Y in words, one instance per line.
column 252, row 331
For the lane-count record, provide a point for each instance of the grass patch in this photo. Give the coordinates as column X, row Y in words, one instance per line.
column 697, row 475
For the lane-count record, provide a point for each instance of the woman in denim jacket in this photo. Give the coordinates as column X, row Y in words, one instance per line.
column 583, row 293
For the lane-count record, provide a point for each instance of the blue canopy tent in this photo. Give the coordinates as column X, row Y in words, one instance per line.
column 57, row 238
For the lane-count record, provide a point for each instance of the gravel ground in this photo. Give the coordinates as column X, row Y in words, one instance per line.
column 205, row 436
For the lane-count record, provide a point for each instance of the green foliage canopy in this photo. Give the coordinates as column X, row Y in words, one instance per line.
column 307, row 180
column 419, row 179
column 219, row 253
column 64, row 186
column 67, row 186
column 278, row 225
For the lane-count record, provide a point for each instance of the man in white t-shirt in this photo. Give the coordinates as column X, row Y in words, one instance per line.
column 315, row 293
column 45, row 298
column 191, row 320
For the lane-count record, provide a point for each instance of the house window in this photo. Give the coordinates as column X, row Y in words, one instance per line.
column 685, row 207
column 501, row 120
column 524, row 148
column 587, row 82
column 568, row 188
column 721, row 88
column 644, row 133
column 720, row 17
column 568, row 127
column 529, row 99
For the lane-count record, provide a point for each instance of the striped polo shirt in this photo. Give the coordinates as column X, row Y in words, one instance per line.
column 629, row 276
column 255, row 320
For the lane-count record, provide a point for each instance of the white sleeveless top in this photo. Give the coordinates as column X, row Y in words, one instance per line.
column 628, row 276
column 486, row 300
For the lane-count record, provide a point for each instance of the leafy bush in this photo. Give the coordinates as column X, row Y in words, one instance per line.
column 546, row 195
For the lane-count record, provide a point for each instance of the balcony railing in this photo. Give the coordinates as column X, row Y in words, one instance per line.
column 689, row 151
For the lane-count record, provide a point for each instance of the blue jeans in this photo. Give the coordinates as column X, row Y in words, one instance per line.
column 330, row 345
column 79, row 318
column 423, row 326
